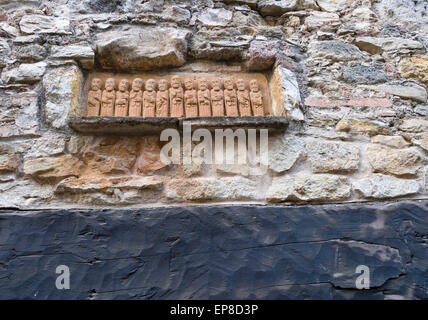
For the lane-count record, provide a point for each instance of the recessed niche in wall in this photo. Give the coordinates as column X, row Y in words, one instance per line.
column 147, row 103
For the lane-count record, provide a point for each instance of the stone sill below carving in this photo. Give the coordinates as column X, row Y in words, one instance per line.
column 154, row 125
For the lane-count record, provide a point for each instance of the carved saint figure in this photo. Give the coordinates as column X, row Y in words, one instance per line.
column 204, row 99
column 230, row 99
column 190, row 99
column 176, row 97
column 94, row 98
column 136, row 98
column 108, row 98
column 256, row 99
column 149, row 99
column 122, row 99
column 217, row 100
column 162, row 100
column 243, row 98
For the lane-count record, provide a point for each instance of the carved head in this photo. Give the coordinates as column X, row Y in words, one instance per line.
column 110, row 84
column 163, row 85
column 123, row 85
column 228, row 83
column 254, row 85
column 216, row 84
column 96, row 84
column 137, row 84
column 240, row 84
column 150, row 85
column 203, row 84
column 175, row 82
column 188, row 84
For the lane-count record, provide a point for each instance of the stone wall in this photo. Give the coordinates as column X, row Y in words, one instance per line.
column 352, row 77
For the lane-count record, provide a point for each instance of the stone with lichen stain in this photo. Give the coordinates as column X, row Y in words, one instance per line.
column 381, row 186
column 62, row 92
column 393, row 161
column 306, row 187
column 361, row 126
column 415, row 68
column 111, row 155
column 324, row 21
column 284, row 153
column 60, row 167
column 325, row 157
column 139, row 47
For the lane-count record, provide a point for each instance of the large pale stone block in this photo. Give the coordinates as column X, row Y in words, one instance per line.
column 286, row 99
column 142, row 47
column 393, row 161
column 25, row 73
column 37, row 23
column 332, row 157
column 60, row 167
column 306, row 187
column 382, row 187
column 62, row 92
column 18, row 116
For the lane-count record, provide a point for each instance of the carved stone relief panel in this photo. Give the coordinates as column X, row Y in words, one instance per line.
column 177, row 95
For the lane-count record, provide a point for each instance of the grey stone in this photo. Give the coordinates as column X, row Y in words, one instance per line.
column 414, row 125
column 176, row 14
column 37, row 23
column 422, row 110
column 382, row 186
column 82, row 53
column 275, row 7
column 286, row 94
column 333, row 5
column 408, row 91
column 31, row 53
column 284, row 152
column 378, row 45
column 332, row 157
column 25, row 73
column 364, row 74
column 336, row 50
column 5, row 53
column 142, row 47
column 62, row 88
column 19, row 116
column 215, row 17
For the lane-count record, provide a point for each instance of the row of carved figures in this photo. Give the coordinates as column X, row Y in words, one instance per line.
column 175, row 101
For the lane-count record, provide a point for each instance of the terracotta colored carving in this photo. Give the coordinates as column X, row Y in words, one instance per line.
column 149, row 99
column 230, row 99
column 162, row 99
column 217, row 100
column 204, row 99
column 243, row 98
column 176, row 97
column 108, row 98
column 256, row 99
column 136, row 98
column 190, row 99
column 122, row 99
column 94, row 98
